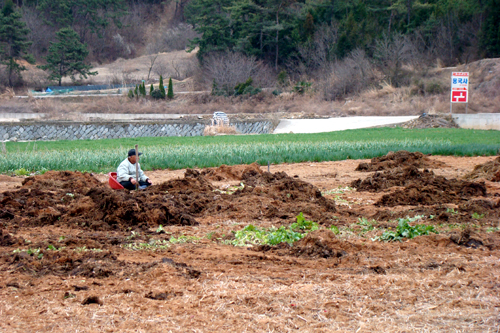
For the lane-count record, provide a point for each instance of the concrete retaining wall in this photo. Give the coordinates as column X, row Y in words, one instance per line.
column 483, row 121
column 84, row 131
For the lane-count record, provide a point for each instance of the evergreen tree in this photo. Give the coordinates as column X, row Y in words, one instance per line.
column 13, row 40
column 66, row 57
column 151, row 89
column 212, row 21
column 490, row 35
column 162, row 87
column 84, row 16
column 170, row 93
column 142, row 89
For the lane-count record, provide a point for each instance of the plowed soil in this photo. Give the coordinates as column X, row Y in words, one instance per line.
column 76, row 255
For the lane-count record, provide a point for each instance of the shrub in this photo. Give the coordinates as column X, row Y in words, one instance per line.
column 301, row 87
column 433, row 88
column 157, row 94
column 130, row 93
column 240, row 87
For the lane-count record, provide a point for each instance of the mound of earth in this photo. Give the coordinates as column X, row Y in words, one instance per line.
column 234, row 172
column 58, row 180
column 464, row 213
column 489, row 171
column 175, row 202
column 319, row 244
column 316, row 244
column 441, row 191
column 431, row 121
column 399, row 159
column 67, row 262
column 400, row 177
column 6, row 239
column 421, row 187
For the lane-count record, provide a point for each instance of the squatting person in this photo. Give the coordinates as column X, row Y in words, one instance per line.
column 126, row 173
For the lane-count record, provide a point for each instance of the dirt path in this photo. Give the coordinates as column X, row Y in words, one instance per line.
column 77, row 256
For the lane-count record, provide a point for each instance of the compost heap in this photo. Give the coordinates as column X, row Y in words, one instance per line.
column 78, row 198
column 489, row 171
column 399, row 159
column 420, row 187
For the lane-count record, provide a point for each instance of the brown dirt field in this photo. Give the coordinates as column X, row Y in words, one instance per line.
column 71, row 257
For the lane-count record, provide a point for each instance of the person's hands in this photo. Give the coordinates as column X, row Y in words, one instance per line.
column 148, row 181
column 133, row 181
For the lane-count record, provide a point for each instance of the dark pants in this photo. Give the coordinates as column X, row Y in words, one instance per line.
column 129, row 186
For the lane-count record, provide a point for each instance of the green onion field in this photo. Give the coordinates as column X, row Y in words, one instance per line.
column 190, row 152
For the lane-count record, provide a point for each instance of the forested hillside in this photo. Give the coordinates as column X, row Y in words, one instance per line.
column 354, row 43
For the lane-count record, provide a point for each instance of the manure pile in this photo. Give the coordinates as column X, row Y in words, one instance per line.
column 74, row 198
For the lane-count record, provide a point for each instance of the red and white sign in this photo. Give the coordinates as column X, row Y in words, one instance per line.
column 460, row 87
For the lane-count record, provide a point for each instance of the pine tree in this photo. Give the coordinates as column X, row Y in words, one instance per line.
column 162, row 87
column 142, row 89
column 490, row 35
column 151, row 89
column 66, row 57
column 170, row 93
column 13, row 40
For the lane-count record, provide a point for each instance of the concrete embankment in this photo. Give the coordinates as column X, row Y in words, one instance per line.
column 483, row 121
column 63, row 130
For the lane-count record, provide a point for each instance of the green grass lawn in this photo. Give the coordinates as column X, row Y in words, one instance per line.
column 182, row 152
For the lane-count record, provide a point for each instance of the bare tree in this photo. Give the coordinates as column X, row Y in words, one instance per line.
column 350, row 75
column 319, row 51
column 228, row 69
column 391, row 54
column 40, row 33
column 153, row 51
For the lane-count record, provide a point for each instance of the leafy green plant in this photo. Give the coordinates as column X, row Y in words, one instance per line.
column 21, row 172
column 132, row 235
column 477, row 216
column 81, row 249
column 160, row 229
column 183, row 239
column 32, row 252
column 492, row 229
column 303, row 224
column 51, row 247
column 251, row 235
column 368, row 225
column 335, row 229
column 405, row 230
column 451, row 211
column 151, row 245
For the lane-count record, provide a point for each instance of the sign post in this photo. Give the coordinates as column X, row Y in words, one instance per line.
column 459, row 89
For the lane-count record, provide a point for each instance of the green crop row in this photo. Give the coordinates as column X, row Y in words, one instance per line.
column 177, row 153
column 454, row 135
